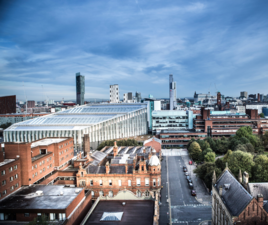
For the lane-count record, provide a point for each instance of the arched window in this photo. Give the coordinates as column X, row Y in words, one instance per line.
column 147, row 193
column 111, row 194
column 101, row 193
column 138, row 193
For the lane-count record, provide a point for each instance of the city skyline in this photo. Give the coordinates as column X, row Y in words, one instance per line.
column 207, row 46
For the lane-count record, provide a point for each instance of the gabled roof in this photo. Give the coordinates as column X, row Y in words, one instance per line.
column 258, row 188
column 235, row 197
column 152, row 139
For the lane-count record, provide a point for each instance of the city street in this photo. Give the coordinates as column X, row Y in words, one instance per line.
column 184, row 208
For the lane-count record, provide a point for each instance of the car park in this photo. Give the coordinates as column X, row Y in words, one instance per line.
column 193, row 192
column 186, row 173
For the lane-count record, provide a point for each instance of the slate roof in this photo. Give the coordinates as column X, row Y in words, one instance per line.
column 265, row 205
column 117, row 170
column 258, row 188
column 95, row 169
column 152, row 139
column 236, row 197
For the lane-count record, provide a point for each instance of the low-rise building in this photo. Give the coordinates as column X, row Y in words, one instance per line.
column 154, row 142
column 19, row 117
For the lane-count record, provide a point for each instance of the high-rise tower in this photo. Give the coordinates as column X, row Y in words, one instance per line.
column 80, row 89
column 172, row 93
column 114, row 93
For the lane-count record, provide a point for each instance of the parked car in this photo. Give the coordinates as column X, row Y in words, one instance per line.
column 184, row 169
column 186, row 174
column 193, row 193
column 190, row 162
column 189, row 180
column 191, row 186
column 188, row 177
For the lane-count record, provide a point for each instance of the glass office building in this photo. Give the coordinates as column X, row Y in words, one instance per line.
column 80, row 89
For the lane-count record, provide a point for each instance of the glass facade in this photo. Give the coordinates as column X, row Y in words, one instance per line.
column 80, row 89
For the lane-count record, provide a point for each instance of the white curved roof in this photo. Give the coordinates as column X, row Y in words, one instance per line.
column 154, row 161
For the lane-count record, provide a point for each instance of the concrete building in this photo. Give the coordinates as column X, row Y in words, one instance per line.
column 138, row 97
column 256, row 105
column 128, row 98
column 199, row 98
column 101, row 121
column 175, row 119
column 113, row 169
column 114, row 93
column 244, row 94
column 59, row 204
column 8, row 104
column 31, row 104
column 152, row 104
column 80, row 89
column 172, row 93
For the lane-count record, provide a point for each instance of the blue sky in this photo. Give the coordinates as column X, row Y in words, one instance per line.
column 135, row 44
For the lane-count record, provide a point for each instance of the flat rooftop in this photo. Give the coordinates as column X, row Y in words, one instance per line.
column 26, row 198
column 47, row 141
column 135, row 212
column 6, row 161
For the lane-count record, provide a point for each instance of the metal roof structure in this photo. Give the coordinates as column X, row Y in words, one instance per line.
column 101, row 121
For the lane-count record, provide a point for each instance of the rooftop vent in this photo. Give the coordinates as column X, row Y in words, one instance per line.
column 123, row 203
column 39, row 193
column 61, row 193
column 77, row 190
column 226, row 186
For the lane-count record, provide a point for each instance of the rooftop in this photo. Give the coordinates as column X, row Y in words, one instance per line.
column 26, row 197
column 47, row 141
column 6, row 161
column 258, row 188
column 134, row 212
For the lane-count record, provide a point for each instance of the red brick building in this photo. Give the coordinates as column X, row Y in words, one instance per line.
column 39, row 159
column 8, row 104
column 10, row 178
column 155, row 143
column 112, row 169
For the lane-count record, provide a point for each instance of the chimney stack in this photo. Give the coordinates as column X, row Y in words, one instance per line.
column 240, row 177
column 245, row 179
column 220, row 191
column 107, row 167
column 115, row 150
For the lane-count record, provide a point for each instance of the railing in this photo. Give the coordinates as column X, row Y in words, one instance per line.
column 90, row 211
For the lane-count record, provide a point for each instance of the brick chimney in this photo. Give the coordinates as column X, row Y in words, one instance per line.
column 260, row 200
column 115, row 150
column 107, row 167
column 259, row 97
column 245, row 179
column 240, row 177
column 126, row 167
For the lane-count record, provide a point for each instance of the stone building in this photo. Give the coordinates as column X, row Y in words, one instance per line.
column 113, row 169
column 233, row 204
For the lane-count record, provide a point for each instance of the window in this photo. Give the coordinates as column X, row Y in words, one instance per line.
column 82, row 183
column 40, row 164
column 154, row 182
column 2, row 215
column 40, row 171
column 138, row 182
column 110, row 182
column 82, row 174
column 138, row 193
column 4, row 192
column 3, row 172
column 111, row 194
column 10, row 169
column 119, row 183
column 100, row 182
column 4, row 182
column 35, row 173
column 52, row 216
column 158, row 181
column 26, row 214
column 129, row 183
column 12, row 188
column 35, row 166
column 32, row 167
column 92, row 193
column 11, row 179
column 91, row 182
column 15, row 167
column 101, row 193
column 48, row 167
column 62, row 216
column 147, row 193
column 16, row 185
column 16, row 176
column 146, row 181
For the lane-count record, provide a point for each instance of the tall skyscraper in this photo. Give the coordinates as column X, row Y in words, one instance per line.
column 114, row 93
column 244, row 94
column 80, row 89
column 138, row 96
column 172, row 93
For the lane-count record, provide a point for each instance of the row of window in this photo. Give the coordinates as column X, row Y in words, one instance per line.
column 11, row 189
column 42, row 163
column 110, row 193
column 3, row 172
column 10, row 179
column 138, row 182
column 50, row 216
column 42, row 170
column 61, row 146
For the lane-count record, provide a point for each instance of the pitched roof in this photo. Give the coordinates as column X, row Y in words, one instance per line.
column 235, row 197
column 258, row 188
column 152, row 139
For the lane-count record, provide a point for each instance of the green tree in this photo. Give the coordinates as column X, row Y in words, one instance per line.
column 240, row 147
column 6, row 125
column 190, row 142
column 209, row 157
column 262, row 115
column 212, row 143
column 243, row 161
column 195, row 151
column 220, row 164
column 203, row 144
column 265, row 139
column 233, row 142
column 222, row 145
column 227, row 156
column 244, row 132
column 249, row 147
column 260, row 169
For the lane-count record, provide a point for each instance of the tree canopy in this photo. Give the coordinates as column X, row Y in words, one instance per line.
column 195, row 151
column 128, row 142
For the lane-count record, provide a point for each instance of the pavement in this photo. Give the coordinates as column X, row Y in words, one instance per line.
column 183, row 208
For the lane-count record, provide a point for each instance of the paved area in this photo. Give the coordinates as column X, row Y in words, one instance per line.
column 184, row 208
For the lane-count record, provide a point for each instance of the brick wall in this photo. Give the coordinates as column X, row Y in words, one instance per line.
column 155, row 144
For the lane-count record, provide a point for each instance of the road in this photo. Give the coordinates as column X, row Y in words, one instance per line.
column 185, row 209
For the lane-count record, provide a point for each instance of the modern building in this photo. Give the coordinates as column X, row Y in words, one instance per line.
column 80, row 89
column 113, row 169
column 152, row 104
column 138, row 97
column 233, row 204
column 199, row 98
column 172, row 93
column 244, row 94
column 128, row 97
column 8, row 104
column 19, row 117
column 256, row 105
column 31, row 104
column 59, row 204
column 101, row 121
column 114, row 93
column 39, row 159
column 175, row 119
